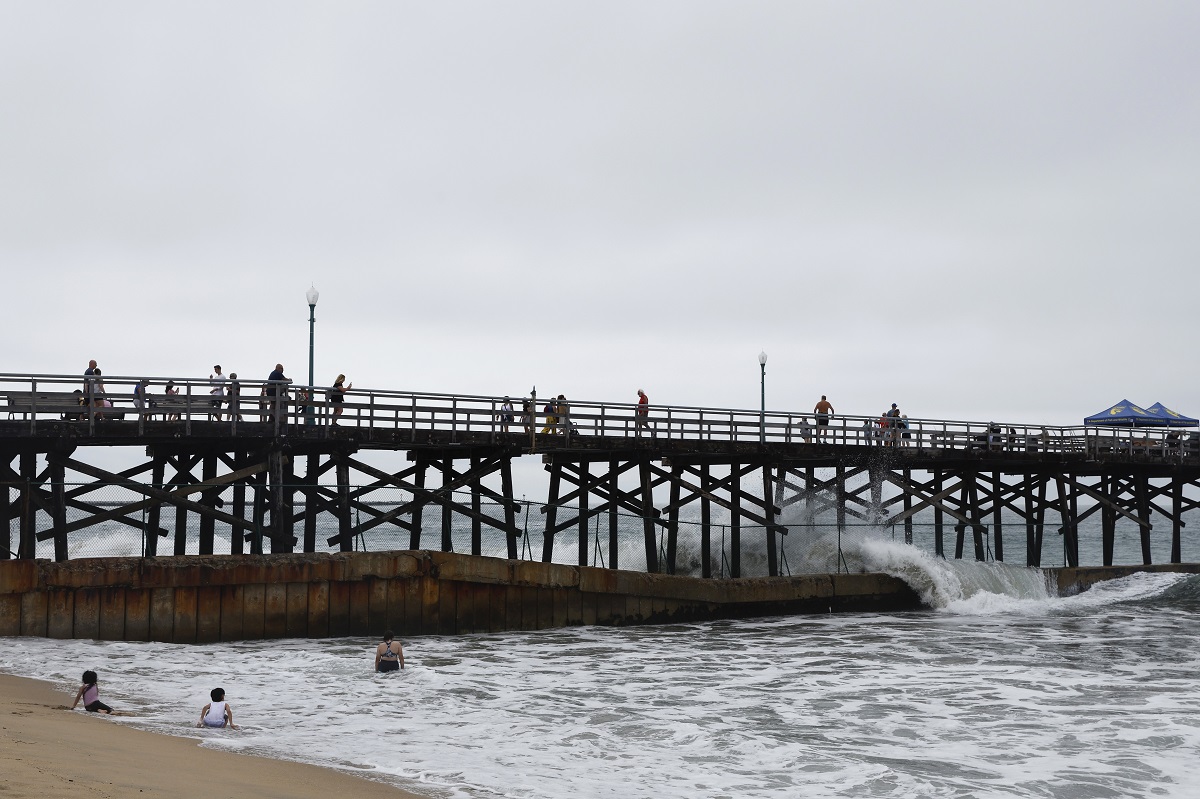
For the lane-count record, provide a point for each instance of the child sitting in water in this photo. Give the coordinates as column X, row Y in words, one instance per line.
column 217, row 712
column 89, row 692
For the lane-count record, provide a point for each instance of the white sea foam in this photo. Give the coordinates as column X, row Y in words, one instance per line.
column 1138, row 586
column 968, row 587
column 960, row 586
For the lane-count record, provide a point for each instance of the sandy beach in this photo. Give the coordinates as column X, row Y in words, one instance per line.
column 47, row 750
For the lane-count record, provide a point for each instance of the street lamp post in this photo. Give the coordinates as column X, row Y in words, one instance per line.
column 532, row 417
column 311, row 295
column 762, row 414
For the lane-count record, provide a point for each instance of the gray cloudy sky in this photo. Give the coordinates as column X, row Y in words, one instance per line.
column 976, row 210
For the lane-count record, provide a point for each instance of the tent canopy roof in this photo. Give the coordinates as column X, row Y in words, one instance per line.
column 1172, row 419
column 1126, row 414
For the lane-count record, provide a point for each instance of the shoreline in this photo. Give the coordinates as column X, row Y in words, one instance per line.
column 47, row 750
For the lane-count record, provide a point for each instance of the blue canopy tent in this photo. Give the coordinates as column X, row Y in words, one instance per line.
column 1171, row 418
column 1126, row 414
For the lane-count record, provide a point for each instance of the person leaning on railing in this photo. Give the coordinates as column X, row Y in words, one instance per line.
column 893, row 417
column 564, row 415
column 824, row 410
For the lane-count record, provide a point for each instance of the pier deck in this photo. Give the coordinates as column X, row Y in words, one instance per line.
column 275, row 463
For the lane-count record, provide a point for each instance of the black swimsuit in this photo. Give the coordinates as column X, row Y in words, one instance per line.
column 95, row 706
column 388, row 661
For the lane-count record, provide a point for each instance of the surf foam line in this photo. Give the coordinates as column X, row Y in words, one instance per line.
column 971, row 587
column 959, row 585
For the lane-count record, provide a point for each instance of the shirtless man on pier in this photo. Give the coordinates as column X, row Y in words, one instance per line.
column 823, row 410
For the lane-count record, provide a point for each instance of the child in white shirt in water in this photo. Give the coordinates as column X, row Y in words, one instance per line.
column 216, row 713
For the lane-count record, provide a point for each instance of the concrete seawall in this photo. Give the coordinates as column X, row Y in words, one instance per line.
column 1073, row 581
column 200, row 599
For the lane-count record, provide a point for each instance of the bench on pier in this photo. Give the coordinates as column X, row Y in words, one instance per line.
column 171, row 405
column 67, row 404
column 1006, row 441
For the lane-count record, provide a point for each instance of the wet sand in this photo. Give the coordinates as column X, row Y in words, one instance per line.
column 47, row 750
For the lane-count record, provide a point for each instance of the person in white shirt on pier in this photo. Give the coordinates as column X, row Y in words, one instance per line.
column 217, row 381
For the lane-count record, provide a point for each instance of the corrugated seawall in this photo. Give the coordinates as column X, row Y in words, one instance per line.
column 198, row 599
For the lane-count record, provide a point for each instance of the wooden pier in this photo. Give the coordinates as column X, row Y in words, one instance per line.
column 275, row 471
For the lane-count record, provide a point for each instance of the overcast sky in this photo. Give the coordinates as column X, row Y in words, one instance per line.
column 975, row 210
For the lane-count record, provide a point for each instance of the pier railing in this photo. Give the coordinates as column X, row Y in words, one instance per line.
column 42, row 403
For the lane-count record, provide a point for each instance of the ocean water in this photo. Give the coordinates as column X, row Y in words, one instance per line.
column 1001, row 690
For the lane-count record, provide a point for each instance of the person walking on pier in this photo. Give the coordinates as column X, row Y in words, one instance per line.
column 505, row 416
column 99, row 400
column 217, row 381
column 894, row 426
column 235, row 397
column 336, row 394
column 275, row 391
column 93, row 386
column 527, row 412
column 89, row 380
column 643, row 412
column 823, row 410
column 387, row 658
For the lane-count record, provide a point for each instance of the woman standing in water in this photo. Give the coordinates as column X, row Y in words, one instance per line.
column 389, row 656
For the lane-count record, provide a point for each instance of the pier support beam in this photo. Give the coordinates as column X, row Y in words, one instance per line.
column 193, row 478
column 648, row 515
column 1177, row 520
column 207, row 523
column 769, row 527
column 939, row 531
column 58, row 479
